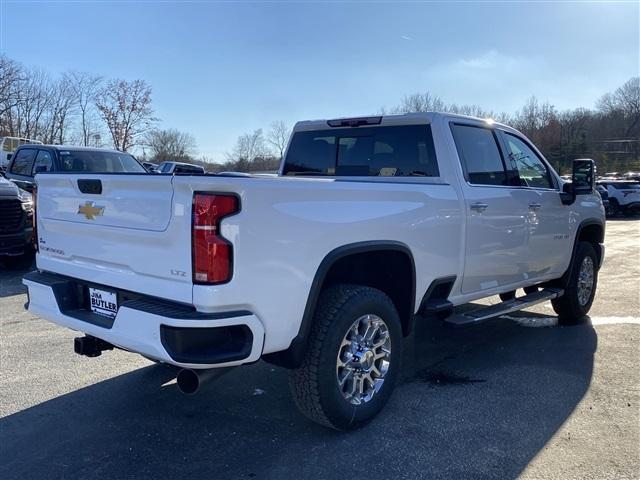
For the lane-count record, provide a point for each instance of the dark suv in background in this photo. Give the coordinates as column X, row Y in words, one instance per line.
column 28, row 160
column 16, row 221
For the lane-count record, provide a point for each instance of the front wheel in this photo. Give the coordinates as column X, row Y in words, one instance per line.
column 353, row 358
column 581, row 289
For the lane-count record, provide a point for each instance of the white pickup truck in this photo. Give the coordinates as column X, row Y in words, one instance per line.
column 371, row 225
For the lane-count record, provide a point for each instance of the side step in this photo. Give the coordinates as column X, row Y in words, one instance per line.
column 481, row 314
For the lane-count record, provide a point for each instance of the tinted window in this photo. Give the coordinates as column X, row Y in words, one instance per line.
column 43, row 162
column 532, row 171
column 98, row 161
column 479, row 154
column 187, row 169
column 624, row 185
column 364, row 151
column 23, row 162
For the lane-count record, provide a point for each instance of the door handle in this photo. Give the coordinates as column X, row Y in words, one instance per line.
column 479, row 207
column 535, row 206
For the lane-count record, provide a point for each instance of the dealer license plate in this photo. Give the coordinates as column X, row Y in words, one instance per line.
column 103, row 302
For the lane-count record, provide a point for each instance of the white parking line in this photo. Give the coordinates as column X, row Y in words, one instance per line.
column 538, row 322
column 610, row 320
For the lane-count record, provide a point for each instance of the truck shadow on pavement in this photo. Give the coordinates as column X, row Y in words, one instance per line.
column 11, row 273
column 474, row 403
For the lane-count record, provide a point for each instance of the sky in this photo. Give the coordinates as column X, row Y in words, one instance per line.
column 222, row 69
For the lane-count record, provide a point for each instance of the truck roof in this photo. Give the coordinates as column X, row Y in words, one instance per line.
column 387, row 120
column 71, row 147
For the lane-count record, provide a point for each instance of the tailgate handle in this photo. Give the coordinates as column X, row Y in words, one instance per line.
column 93, row 186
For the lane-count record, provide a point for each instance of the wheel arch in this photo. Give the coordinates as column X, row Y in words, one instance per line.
column 331, row 270
column 592, row 231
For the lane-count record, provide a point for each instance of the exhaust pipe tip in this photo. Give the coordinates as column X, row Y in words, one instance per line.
column 188, row 381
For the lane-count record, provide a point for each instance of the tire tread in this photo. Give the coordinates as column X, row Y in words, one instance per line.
column 304, row 381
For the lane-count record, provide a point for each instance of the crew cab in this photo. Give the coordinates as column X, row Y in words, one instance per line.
column 371, row 225
column 29, row 160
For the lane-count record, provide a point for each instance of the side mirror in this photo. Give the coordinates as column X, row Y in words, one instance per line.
column 583, row 177
column 583, row 180
column 9, row 155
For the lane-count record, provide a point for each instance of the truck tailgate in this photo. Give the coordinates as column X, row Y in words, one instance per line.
column 127, row 233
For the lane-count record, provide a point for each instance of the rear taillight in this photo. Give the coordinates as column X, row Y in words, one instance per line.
column 212, row 254
column 34, row 237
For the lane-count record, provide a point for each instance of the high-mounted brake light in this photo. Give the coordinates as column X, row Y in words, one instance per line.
column 212, row 253
column 354, row 122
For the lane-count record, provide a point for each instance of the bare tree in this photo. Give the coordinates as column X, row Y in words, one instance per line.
column 249, row 147
column 35, row 96
column 170, row 144
column 624, row 101
column 85, row 87
column 278, row 137
column 126, row 109
column 59, row 112
column 11, row 74
column 251, row 154
column 420, row 102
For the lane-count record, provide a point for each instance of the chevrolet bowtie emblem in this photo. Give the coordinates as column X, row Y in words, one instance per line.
column 90, row 211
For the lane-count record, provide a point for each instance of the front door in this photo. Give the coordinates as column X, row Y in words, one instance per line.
column 549, row 243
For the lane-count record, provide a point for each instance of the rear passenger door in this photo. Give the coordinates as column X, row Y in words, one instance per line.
column 496, row 230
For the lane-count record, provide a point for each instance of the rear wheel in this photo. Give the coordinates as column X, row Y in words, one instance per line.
column 581, row 289
column 353, row 359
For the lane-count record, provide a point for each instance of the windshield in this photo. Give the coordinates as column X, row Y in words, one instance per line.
column 98, row 161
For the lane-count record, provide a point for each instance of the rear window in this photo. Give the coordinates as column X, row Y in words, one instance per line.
column 99, row 162
column 399, row 151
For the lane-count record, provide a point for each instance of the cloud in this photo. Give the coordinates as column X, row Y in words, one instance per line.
column 499, row 81
column 491, row 79
column 406, row 37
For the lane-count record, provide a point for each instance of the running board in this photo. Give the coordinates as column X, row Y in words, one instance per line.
column 481, row 314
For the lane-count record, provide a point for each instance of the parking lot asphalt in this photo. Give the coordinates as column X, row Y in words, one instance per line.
column 499, row 400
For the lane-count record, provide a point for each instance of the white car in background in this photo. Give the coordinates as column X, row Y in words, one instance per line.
column 8, row 145
column 624, row 196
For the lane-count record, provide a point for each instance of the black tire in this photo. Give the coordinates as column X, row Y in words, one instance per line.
column 314, row 385
column 569, row 308
column 614, row 207
column 508, row 295
column 531, row 289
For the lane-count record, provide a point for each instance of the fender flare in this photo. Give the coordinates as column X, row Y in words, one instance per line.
column 585, row 223
column 292, row 356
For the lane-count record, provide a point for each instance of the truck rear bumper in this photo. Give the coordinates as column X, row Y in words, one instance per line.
column 166, row 331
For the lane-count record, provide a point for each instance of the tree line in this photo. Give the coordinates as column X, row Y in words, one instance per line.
column 609, row 133
column 85, row 109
